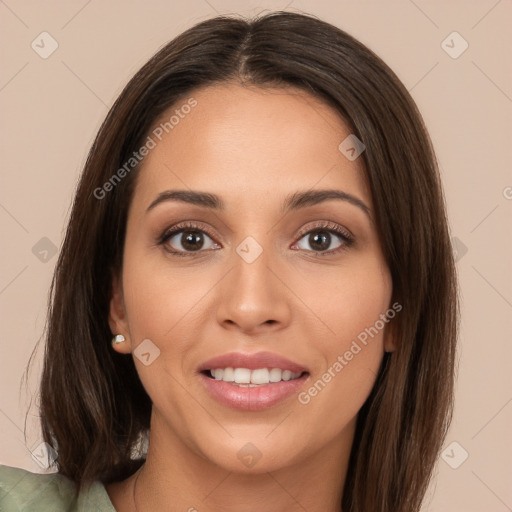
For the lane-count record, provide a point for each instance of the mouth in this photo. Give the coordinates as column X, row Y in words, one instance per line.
column 252, row 382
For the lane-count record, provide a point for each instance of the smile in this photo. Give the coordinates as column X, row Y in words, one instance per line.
column 251, row 378
column 251, row 381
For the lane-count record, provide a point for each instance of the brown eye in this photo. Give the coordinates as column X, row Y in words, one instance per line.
column 320, row 240
column 325, row 239
column 187, row 238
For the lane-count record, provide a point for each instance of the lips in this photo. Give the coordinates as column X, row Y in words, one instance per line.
column 251, row 397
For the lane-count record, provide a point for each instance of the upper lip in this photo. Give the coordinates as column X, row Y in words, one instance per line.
column 251, row 362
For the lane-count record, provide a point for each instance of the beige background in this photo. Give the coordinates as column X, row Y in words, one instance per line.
column 52, row 108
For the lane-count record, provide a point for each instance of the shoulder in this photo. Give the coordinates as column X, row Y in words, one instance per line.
column 23, row 491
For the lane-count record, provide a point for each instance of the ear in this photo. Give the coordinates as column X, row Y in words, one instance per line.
column 117, row 316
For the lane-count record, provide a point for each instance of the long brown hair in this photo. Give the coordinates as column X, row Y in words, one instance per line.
column 93, row 405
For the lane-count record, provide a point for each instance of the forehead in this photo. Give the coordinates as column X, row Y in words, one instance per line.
column 248, row 143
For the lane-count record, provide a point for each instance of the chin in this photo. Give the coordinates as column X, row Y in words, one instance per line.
column 252, row 455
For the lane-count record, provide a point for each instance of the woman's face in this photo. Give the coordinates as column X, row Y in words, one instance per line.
column 256, row 275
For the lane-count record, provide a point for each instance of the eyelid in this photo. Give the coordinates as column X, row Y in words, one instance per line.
column 181, row 226
column 328, row 225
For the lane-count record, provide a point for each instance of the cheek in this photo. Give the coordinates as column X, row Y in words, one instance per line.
column 350, row 303
column 162, row 305
column 347, row 299
column 165, row 303
column 162, row 300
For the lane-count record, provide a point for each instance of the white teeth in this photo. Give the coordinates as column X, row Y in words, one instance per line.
column 244, row 376
column 260, row 376
column 228, row 375
column 275, row 375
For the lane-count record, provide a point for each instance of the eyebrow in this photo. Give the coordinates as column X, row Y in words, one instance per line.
column 292, row 202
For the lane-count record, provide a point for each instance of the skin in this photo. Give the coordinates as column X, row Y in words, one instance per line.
column 252, row 147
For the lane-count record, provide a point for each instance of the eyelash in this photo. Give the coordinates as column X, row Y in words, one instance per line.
column 330, row 227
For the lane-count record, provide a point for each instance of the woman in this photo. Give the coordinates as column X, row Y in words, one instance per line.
column 260, row 230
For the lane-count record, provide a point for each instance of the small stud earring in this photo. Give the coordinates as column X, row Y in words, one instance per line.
column 118, row 338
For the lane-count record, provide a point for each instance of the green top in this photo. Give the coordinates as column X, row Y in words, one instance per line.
column 23, row 491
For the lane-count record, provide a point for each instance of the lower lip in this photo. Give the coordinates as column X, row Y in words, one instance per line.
column 255, row 398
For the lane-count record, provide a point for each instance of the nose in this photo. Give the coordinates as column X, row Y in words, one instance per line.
column 253, row 297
